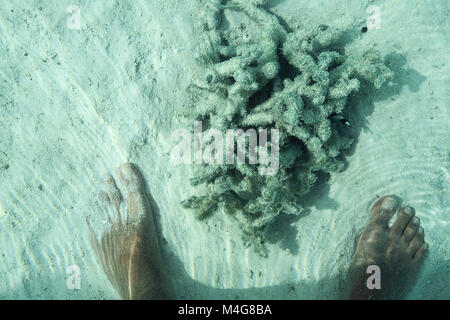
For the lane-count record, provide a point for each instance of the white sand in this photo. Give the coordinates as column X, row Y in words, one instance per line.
column 74, row 104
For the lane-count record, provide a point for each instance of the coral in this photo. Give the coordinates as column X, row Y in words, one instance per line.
column 259, row 73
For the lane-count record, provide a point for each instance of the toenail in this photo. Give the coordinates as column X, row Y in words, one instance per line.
column 409, row 211
column 420, row 230
column 389, row 203
column 415, row 220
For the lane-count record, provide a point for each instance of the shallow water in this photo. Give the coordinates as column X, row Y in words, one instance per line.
column 75, row 103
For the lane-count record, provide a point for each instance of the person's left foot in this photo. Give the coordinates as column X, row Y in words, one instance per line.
column 129, row 251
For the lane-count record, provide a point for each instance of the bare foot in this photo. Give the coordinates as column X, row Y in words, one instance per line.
column 129, row 251
column 398, row 251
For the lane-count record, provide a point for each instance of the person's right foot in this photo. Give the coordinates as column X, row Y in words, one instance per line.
column 398, row 251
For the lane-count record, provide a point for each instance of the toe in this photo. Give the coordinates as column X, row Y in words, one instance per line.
column 420, row 254
column 137, row 202
column 113, row 192
column 416, row 242
column 105, row 203
column 131, row 178
column 103, row 198
column 384, row 209
column 402, row 221
column 411, row 229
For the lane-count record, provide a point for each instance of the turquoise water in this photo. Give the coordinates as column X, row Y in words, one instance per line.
column 87, row 86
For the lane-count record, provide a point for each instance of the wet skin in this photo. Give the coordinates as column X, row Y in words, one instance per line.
column 398, row 251
column 129, row 251
column 130, row 255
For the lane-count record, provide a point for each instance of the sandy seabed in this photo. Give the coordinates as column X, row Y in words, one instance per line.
column 74, row 104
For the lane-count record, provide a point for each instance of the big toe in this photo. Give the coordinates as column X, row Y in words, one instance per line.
column 131, row 178
column 384, row 209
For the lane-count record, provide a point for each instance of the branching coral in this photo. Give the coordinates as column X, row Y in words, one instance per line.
column 259, row 74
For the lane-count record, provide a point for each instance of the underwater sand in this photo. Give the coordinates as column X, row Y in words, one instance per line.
column 75, row 104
